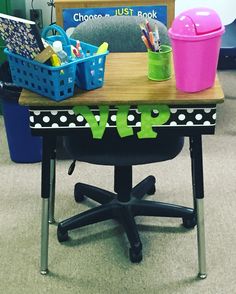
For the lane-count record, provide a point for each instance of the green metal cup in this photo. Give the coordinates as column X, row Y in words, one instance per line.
column 159, row 64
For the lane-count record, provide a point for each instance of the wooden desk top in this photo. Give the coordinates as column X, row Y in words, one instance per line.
column 126, row 82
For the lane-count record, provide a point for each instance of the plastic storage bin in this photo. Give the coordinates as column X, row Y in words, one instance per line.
column 196, row 36
column 23, row 147
column 58, row 83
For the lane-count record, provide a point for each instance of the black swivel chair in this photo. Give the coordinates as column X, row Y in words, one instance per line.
column 122, row 153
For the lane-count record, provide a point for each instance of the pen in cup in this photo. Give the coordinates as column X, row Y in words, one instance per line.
column 156, row 42
column 145, row 42
column 148, row 26
column 150, row 38
column 146, row 35
column 157, row 35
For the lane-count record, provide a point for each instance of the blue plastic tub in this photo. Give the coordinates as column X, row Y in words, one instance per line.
column 23, row 147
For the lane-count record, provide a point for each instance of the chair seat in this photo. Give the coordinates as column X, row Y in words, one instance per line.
column 112, row 150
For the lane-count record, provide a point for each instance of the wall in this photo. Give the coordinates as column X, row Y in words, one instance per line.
column 40, row 4
column 225, row 8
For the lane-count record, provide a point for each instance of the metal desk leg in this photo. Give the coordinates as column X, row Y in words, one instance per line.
column 193, row 177
column 52, row 188
column 198, row 191
column 48, row 153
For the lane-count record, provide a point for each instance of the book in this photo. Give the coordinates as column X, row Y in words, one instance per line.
column 21, row 36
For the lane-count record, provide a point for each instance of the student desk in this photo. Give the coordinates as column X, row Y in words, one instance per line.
column 126, row 83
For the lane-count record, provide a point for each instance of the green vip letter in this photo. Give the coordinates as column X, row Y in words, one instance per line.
column 121, row 121
column 97, row 129
column 147, row 121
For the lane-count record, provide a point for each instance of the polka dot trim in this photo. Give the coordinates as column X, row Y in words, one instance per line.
column 198, row 116
column 194, row 116
column 63, row 118
column 189, row 123
column 130, row 117
column 173, row 123
column 113, row 117
column 80, row 118
column 46, row 119
column 181, row 117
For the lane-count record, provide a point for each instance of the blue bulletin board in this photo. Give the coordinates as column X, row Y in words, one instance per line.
column 72, row 17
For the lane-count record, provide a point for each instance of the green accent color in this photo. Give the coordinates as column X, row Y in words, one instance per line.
column 147, row 121
column 121, row 121
column 159, row 64
column 5, row 6
column 97, row 129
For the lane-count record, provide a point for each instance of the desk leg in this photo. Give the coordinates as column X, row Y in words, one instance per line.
column 198, row 193
column 52, row 187
column 48, row 154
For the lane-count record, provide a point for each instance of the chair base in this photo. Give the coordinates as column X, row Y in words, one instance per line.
column 124, row 208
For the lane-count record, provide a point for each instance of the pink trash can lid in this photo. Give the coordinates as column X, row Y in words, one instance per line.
column 196, row 24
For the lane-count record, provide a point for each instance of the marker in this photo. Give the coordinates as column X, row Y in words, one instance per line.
column 157, row 34
column 156, row 42
column 78, row 47
column 102, row 48
column 55, row 60
column 148, row 26
column 151, row 38
column 147, row 37
column 76, row 52
column 145, row 42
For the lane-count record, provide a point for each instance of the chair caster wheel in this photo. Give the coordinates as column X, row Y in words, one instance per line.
column 152, row 191
column 77, row 194
column 135, row 256
column 62, row 236
column 189, row 223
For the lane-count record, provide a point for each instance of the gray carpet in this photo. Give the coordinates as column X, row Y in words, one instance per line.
column 95, row 260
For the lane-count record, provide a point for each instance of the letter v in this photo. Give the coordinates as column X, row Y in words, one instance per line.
column 97, row 129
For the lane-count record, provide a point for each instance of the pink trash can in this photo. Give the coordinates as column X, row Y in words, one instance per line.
column 195, row 36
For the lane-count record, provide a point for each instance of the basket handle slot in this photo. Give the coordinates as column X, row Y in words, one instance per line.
column 59, row 30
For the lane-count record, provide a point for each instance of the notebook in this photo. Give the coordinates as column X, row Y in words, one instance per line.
column 21, row 36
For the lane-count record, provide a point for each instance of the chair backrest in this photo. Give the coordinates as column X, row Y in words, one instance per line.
column 122, row 33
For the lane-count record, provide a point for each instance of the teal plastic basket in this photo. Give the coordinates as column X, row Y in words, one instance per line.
column 58, row 83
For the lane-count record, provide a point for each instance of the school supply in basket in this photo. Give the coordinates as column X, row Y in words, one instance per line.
column 57, row 47
column 45, row 55
column 21, row 36
column 58, row 82
column 102, row 48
